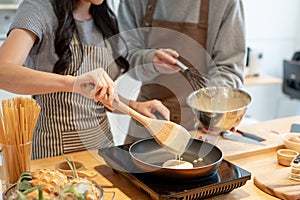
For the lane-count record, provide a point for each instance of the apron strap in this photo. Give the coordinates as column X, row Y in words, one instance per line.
column 203, row 16
column 203, row 19
column 204, row 10
column 149, row 13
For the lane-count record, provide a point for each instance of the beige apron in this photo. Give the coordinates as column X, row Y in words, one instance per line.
column 173, row 89
column 69, row 122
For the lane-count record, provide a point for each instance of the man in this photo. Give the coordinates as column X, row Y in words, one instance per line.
column 208, row 35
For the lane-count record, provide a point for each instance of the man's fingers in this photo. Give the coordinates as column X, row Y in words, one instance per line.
column 171, row 52
column 163, row 110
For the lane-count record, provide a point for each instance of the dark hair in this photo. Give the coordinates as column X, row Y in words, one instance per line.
column 104, row 19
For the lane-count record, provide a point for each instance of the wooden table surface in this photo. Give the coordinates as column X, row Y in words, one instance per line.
column 262, row 79
column 115, row 184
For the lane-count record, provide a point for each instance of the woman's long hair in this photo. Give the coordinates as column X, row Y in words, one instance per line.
column 104, row 19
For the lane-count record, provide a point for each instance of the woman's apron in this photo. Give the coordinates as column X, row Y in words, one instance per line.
column 68, row 121
column 173, row 89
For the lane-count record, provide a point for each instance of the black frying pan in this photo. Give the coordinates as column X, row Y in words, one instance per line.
column 149, row 156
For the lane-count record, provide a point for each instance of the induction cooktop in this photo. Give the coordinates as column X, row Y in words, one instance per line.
column 227, row 178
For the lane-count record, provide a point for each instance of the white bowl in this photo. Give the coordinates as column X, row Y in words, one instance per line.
column 286, row 156
column 291, row 144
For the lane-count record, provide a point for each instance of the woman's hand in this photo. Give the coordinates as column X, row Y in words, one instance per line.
column 165, row 62
column 149, row 108
column 96, row 85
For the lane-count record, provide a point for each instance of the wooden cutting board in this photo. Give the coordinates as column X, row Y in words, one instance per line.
column 277, row 183
column 234, row 149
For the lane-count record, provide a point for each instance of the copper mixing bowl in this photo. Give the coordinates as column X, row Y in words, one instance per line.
column 219, row 108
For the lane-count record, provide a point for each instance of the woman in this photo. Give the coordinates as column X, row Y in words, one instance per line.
column 62, row 44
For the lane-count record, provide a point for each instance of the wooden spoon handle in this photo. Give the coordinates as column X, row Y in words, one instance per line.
column 120, row 106
column 123, row 108
column 161, row 130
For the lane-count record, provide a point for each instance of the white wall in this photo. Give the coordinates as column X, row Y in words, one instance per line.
column 272, row 26
column 297, row 44
column 127, row 87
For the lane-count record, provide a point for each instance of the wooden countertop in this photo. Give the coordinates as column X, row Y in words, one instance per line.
column 262, row 79
column 253, row 162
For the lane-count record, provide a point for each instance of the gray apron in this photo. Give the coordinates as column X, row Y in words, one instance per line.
column 173, row 89
column 68, row 121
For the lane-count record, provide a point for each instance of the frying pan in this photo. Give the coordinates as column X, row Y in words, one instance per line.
column 149, row 156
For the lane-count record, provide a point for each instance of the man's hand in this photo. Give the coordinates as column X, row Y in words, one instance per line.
column 165, row 62
column 148, row 108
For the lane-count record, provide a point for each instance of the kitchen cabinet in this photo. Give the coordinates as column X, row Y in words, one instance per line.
column 266, row 92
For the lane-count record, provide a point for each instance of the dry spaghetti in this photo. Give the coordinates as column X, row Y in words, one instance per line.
column 17, row 122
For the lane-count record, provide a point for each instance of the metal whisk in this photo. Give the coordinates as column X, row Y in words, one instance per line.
column 196, row 79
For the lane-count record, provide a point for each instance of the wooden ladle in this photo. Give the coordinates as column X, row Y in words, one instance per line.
column 173, row 137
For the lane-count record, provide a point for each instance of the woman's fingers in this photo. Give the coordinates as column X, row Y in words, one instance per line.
column 111, row 88
column 106, row 89
column 102, row 89
column 162, row 109
column 96, row 85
